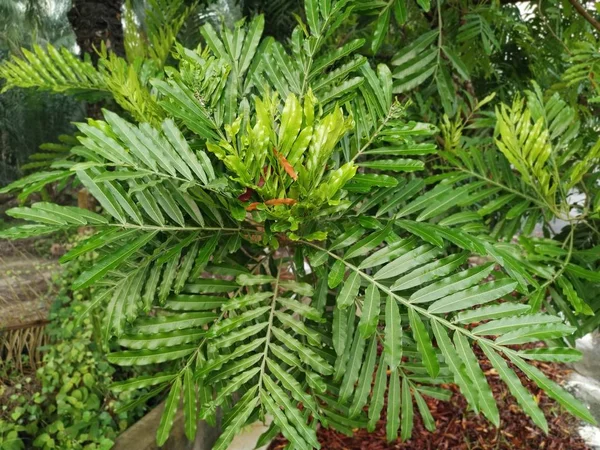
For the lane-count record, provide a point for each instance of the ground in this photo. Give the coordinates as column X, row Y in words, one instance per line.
column 458, row 429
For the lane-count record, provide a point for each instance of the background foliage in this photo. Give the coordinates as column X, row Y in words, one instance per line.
column 68, row 404
column 29, row 119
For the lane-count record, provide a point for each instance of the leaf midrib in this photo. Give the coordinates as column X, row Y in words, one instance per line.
column 406, row 303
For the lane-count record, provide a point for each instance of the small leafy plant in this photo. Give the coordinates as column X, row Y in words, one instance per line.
column 67, row 403
column 265, row 229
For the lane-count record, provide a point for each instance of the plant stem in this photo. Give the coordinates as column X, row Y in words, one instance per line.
column 440, row 32
column 506, row 188
column 571, row 239
column 173, row 228
column 585, row 14
column 406, row 303
column 269, row 327
column 374, row 135
column 217, row 320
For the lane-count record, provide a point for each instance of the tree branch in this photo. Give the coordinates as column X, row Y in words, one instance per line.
column 586, row 15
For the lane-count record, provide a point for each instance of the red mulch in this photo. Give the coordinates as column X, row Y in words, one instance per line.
column 458, row 429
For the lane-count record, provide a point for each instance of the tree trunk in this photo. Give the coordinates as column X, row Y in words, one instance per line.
column 97, row 21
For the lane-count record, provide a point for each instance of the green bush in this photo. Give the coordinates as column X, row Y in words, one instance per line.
column 281, row 220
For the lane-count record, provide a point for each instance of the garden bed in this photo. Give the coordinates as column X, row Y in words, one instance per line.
column 459, row 429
